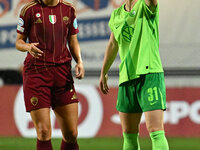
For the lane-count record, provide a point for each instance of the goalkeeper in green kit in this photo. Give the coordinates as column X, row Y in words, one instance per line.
column 134, row 32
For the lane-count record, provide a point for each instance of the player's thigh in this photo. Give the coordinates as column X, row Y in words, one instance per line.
column 130, row 122
column 41, row 119
column 154, row 120
column 127, row 100
column 67, row 117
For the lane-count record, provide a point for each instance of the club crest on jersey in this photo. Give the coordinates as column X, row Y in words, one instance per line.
column 34, row 101
column 65, row 19
column 52, row 19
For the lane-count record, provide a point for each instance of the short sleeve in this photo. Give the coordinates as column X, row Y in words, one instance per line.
column 73, row 28
column 24, row 22
column 111, row 23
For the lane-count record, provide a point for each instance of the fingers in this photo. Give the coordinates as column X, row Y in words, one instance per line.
column 34, row 51
column 104, row 88
column 37, row 50
column 103, row 85
column 80, row 72
column 36, row 44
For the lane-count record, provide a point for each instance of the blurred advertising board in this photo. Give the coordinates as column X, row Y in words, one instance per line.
column 93, row 17
column 179, row 37
column 98, row 116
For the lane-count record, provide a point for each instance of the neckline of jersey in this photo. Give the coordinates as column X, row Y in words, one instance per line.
column 124, row 10
column 51, row 6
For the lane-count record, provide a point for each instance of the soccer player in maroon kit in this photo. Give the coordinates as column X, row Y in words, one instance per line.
column 50, row 25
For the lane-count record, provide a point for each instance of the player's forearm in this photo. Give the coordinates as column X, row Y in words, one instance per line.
column 22, row 46
column 75, row 48
column 76, row 52
column 110, row 55
column 77, row 55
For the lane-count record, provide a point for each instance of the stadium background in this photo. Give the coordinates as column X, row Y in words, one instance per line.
column 180, row 52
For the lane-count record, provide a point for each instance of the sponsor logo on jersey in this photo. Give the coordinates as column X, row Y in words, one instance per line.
column 153, row 103
column 75, row 24
column 20, row 22
column 19, row 28
column 52, row 19
column 38, row 20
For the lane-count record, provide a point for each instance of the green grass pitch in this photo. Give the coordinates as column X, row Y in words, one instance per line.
column 108, row 143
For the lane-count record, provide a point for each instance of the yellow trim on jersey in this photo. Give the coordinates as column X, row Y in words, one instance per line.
column 68, row 4
column 27, row 6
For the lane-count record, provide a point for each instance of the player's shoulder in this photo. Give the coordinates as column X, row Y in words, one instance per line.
column 118, row 10
column 67, row 4
column 28, row 6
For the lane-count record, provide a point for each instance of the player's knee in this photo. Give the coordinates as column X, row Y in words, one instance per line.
column 153, row 129
column 133, row 129
column 44, row 133
column 71, row 136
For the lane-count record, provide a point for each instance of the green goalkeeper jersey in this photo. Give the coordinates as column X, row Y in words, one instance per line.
column 137, row 36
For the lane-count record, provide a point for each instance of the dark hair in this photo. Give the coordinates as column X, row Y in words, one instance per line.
column 39, row 1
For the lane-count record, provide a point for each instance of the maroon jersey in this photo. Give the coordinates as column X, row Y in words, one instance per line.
column 50, row 26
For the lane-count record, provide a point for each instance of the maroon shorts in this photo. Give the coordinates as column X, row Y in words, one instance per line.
column 47, row 87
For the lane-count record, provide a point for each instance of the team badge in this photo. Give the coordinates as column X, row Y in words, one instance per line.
column 127, row 32
column 52, row 19
column 65, row 19
column 34, row 101
column 38, row 15
column 20, row 22
column 75, row 24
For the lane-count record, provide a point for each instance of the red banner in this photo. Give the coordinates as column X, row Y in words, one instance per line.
column 97, row 113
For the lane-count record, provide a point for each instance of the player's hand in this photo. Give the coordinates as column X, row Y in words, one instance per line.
column 103, row 84
column 79, row 70
column 34, row 51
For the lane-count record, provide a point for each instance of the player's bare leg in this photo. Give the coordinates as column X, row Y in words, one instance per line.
column 154, row 120
column 130, row 127
column 154, row 124
column 130, row 122
column 67, row 117
column 42, row 123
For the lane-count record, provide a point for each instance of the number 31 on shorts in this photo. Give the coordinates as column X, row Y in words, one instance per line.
column 152, row 94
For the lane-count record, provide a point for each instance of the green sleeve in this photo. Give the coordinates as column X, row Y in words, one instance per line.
column 111, row 24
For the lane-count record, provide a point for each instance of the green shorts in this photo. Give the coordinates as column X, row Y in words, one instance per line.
column 143, row 94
